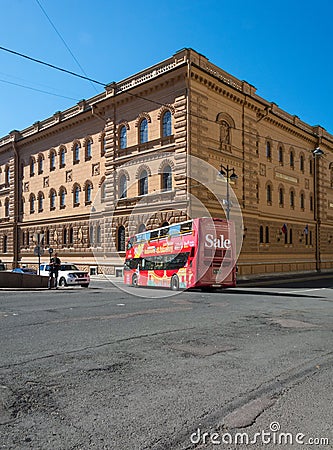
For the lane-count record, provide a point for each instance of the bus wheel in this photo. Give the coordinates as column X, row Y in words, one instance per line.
column 174, row 285
column 135, row 281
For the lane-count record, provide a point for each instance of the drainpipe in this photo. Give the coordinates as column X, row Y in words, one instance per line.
column 16, row 209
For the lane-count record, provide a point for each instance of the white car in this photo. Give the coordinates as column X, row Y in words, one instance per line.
column 69, row 275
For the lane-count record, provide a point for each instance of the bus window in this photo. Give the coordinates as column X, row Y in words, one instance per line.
column 174, row 230
column 186, row 227
column 154, row 235
column 178, row 261
column 143, row 237
column 164, row 232
column 130, row 243
column 132, row 264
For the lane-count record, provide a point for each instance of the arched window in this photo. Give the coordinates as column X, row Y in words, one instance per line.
column 291, row 159
column 71, row 236
column 52, row 199
column 103, row 190
column 47, row 237
column 290, row 236
column 268, row 150
column 7, row 176
column 121, row 239
column 122, row 137
column 166, row 124
column 311, row 202
column 301, row 163
column 267, row 235
column 281, row 196
column 91, row 236
column 310, row 166
column 167, row 178
column 52, row 160
column 302, row 202
column 292, row 199
column 32, row 167
column 62, row 195
column 76, row 154
column 143, row 136
column 281, row 156
column 142, row 228
column 7, row 207
column 98, row 235
column 261, row 234
column 40, row 202
column 62, row 157
column 269, row 193
column 5, row 244
column 143, row 183
column 123, row 186
column 64, row 236
column 88, row 149
column 76, row 194
column 103, row 144
column 32, row 203
column 88, row 193
column 40, row 164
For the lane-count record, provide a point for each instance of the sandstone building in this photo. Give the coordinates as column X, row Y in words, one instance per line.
column 131, row 143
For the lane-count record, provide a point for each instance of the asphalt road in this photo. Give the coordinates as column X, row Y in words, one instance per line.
column 101, row 368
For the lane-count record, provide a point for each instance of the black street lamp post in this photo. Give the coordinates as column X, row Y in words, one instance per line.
column 229, row 174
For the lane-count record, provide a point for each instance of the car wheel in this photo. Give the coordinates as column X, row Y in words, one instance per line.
column 174, row 284
column 62, row 282
column 85, row 285
column 135, row 281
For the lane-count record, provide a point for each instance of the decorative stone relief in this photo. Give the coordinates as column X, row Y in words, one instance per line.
column 80, row 235
column 69, row 176
column 96, row 169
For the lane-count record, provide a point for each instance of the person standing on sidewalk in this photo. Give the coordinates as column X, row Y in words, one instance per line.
column 54, row 271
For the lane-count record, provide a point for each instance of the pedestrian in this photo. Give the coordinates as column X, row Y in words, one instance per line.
column 54, row 271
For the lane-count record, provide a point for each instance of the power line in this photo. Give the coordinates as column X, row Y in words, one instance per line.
column 141, row 97
column 63, row 40
column 52, row 66
column 37, row 90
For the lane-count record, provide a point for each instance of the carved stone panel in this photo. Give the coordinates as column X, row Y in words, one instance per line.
column 69, row 176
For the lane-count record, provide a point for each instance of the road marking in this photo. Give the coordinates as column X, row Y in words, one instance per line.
column 301, row 290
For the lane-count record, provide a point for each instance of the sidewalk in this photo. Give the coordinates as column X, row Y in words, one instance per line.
column 251, row 281
column 265, row 279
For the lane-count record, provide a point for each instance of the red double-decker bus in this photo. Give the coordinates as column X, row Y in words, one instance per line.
column 196, row 253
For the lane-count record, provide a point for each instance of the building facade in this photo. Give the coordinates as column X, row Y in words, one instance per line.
column 85, row 179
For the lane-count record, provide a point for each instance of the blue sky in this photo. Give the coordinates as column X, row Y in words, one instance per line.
column 283, row 48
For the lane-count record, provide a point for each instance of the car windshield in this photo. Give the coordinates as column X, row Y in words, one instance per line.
column 65, row 267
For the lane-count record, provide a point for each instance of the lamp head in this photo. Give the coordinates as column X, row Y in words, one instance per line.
column 317, row 152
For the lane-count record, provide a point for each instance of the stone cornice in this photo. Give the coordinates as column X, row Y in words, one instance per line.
column 235, row 89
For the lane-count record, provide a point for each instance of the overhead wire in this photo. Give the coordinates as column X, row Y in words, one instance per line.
column 37, row 90
column 139, row 96
column 51, row 65
column 63, row 41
